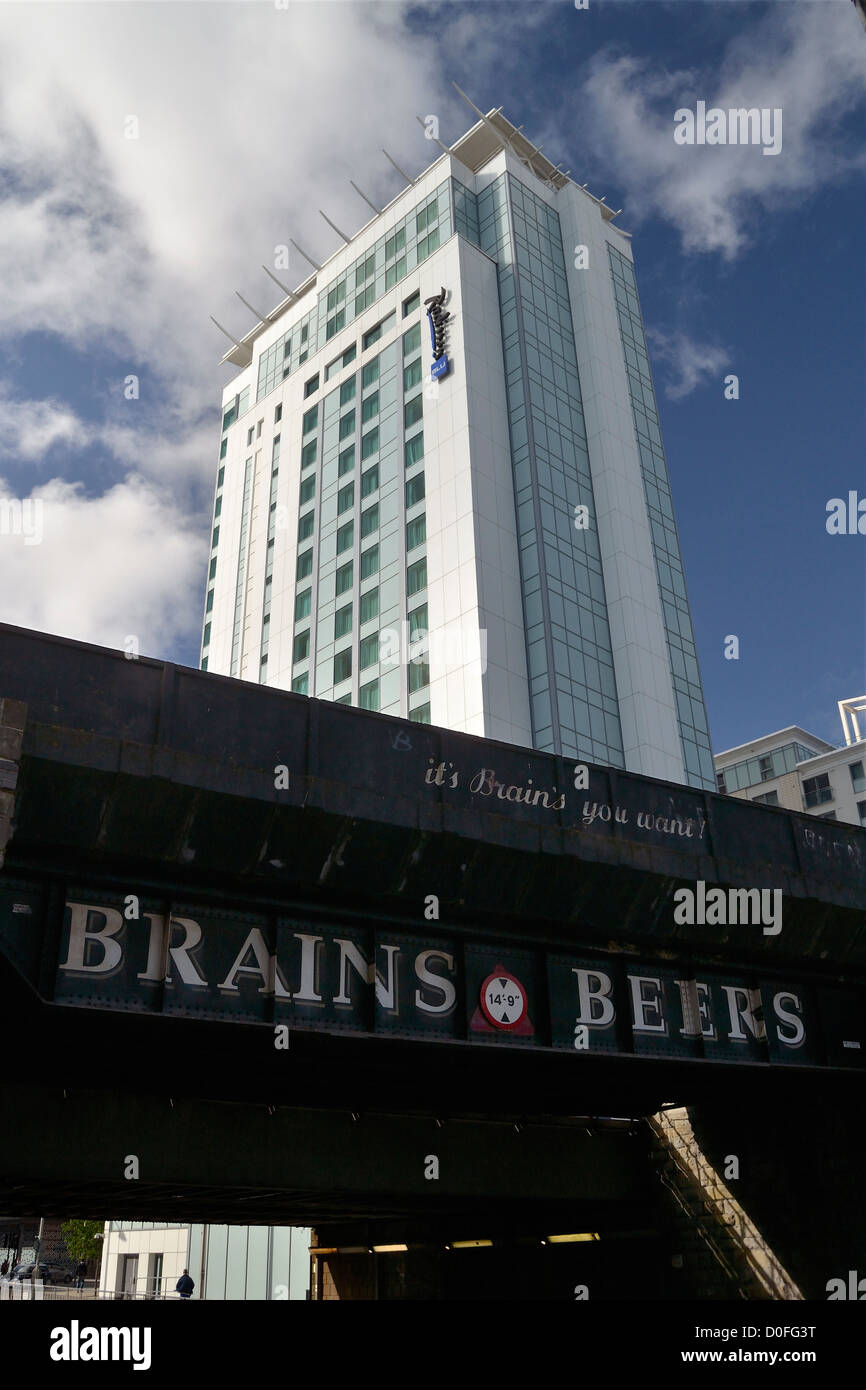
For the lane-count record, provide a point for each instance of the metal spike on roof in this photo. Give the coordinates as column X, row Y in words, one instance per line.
column 403, row 175
column 347, row 239
column 313, row 263
column 364, row 196
column 264, row 318
column 283, row 287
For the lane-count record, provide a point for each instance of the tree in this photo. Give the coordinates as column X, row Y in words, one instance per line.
column 83, row 1239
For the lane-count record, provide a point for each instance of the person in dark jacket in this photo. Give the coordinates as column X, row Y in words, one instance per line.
column 80, row 1271
column 185, row 1285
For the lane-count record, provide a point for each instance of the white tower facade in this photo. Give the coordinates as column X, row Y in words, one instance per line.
column 494, row 549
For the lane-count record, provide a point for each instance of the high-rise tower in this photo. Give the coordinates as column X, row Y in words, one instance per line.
column 515, row 509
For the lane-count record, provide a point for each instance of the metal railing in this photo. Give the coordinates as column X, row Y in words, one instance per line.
column 29, row 1290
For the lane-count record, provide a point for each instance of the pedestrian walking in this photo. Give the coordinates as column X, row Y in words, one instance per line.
column 80, row 1271
column 185, row 1285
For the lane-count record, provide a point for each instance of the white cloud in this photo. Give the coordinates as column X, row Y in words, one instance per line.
column 31, row 428
column 686, row 363
column 126, row 563
column 805, row 59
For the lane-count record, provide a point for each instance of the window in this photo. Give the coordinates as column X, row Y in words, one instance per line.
column 370, row 406
column 308, row 453
column 412, row 411
column 203, row 666
column 817, row 790
column 412, row 341
column 426, row 217
column 218, row 506
column 343, row 621
column 369, row 442
column 370, row 374
column 305, row 526
column 335, row 324
column 230, row 415
column 212, row 570
column 861, row 808
column 287, row 350
column 336, row 295
column 427, row 245
column 347, row 461
column 301, row 647
column 278, row 414
column 419, row 675
column 414, row 449
column 420, row 715
column 347, row 391
column 415, row 490
column 375, row 333
column 333, row 367
column 249, row 436
column 368, row 695
column 302, row 604
column 767, row 799
column 308, row 489
column 370, row 520
column 365, row 269
column 209, row 604
column 370, row 480
column 350, row 354
column 395, row 272
column 343, row 666
column 221, row 476
column 395, row 243
column 345, row 537
column 417, row 622
column 206, row 638
column 344, row 578
column 411, row 304
column 858, row 781
column 369, row 606
column 347, row 424
column 345, row 498
column 766, row 768
column 311, row 419
column 305, row 328
column 343, row 700
column 301, row 360
column 259, row 429
column 305, row 565
column 369, row 562
column 311, row 386
column 215, row 538
column 416, row 577
column 416, row 532
column 301, row 684
column 720, row 782
column 364, row 300
column 412, row 374
column 369, row 651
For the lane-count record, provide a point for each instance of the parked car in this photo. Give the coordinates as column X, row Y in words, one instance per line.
column 48, row 1273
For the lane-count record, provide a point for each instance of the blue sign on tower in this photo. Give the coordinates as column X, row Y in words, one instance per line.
column 438, row 318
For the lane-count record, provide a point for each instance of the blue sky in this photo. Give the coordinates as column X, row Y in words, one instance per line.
column 116, row 251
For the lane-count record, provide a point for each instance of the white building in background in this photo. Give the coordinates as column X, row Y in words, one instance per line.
column 145, row 1259
column 516, row 509
column 800, row 772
